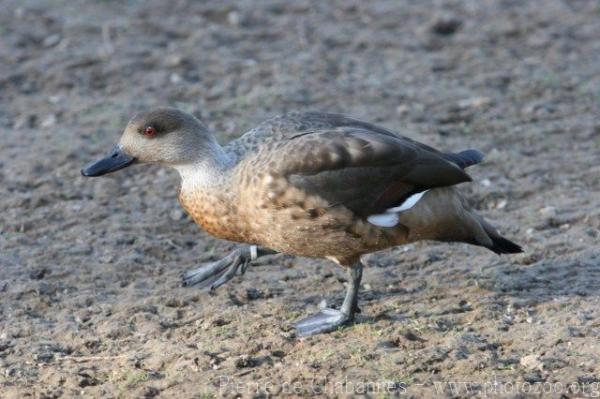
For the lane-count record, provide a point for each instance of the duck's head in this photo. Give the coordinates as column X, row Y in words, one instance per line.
column 165, row 136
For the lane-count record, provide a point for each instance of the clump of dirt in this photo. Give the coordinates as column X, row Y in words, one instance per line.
column 89, row 268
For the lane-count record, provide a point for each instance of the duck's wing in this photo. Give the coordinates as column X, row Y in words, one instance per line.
column 364, row 168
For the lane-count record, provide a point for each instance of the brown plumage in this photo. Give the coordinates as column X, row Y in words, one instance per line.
column 304, row 184
column 314, row 184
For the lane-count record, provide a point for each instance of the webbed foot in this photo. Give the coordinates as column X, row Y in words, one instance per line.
column 326, row 320
column 215, row 274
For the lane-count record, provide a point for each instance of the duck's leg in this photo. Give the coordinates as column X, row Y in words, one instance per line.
column 327, row 320
column 217, row 273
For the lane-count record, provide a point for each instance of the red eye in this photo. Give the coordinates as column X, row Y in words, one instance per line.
column 149, row 131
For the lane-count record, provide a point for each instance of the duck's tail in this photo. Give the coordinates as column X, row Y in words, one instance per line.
column 488, row 236
column 493, row 241
column 502, row 245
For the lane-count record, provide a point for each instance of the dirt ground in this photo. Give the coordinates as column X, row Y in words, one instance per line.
column 91, row 303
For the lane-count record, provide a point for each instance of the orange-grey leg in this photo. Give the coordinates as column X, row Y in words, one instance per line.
column 217, row 273
column 327, row 320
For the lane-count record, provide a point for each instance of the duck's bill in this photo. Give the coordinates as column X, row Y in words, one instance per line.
column 115, row 160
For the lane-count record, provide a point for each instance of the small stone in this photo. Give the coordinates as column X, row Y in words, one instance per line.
column 531, row 362
column 234, row 18
column 534, row 377
column 51, row 41
column 173, row 60
column 591, row 232
column 548, row 212
column 387, row 344
column 402, row 109
column 177, row 214
column 87, row 380
column 151, row 392
column 44, row 357
column 175, row 303
column 39, row 273
column 446, row 25
column 218, row 322
column 46, row 289
column 253, row 294
column 245, row 361
column 175, row 78
column 528, row 258
column 588, row 379
column 54, row 99
column 575, row 332
column 530, row 231
column 475, row 102
column 48, row 121
column 25, row 121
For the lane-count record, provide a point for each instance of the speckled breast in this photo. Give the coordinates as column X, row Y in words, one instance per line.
column 214, row 212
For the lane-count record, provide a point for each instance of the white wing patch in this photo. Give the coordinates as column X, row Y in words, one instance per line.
column 391, row 216
column 384, row 219
column 408, row 203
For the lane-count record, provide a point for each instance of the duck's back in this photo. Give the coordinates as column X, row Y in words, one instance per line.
column 279, row 129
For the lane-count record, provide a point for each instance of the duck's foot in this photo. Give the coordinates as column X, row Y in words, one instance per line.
column 217, row 273
column 326, row 320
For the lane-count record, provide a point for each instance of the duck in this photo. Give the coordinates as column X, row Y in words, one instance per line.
column 309, row 184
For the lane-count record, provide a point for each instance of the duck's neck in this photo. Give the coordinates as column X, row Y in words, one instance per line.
column 208, row 169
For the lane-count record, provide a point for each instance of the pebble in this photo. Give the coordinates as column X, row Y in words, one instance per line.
column 173, row 60
column 501, row 204
column 234, row 18
column 531, row 362
column 534, row 377
column 253, row 294
column 150, row 392
column 475, row 102
column 39, row 273
column 245, row 361
column 175, row 78
column 548, row 212
column 51, row 41
column 176, row 214
column 46, row 357
column 48, row 121
column 529, row 258
column 402, row 109
column 446, row 25
column 46, row 289
column 486, row 182
column 530, row 231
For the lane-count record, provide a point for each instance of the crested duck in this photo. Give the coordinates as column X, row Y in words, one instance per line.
column 308, row 184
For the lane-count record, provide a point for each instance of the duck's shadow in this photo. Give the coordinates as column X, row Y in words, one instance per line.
column 571, row 275
column 576, row 275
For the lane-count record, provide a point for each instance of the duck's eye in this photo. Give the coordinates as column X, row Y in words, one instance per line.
column 149, row 131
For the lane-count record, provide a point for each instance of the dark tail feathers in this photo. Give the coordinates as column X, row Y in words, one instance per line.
column 493, row 241
column 501, row 245
column 466, row 158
